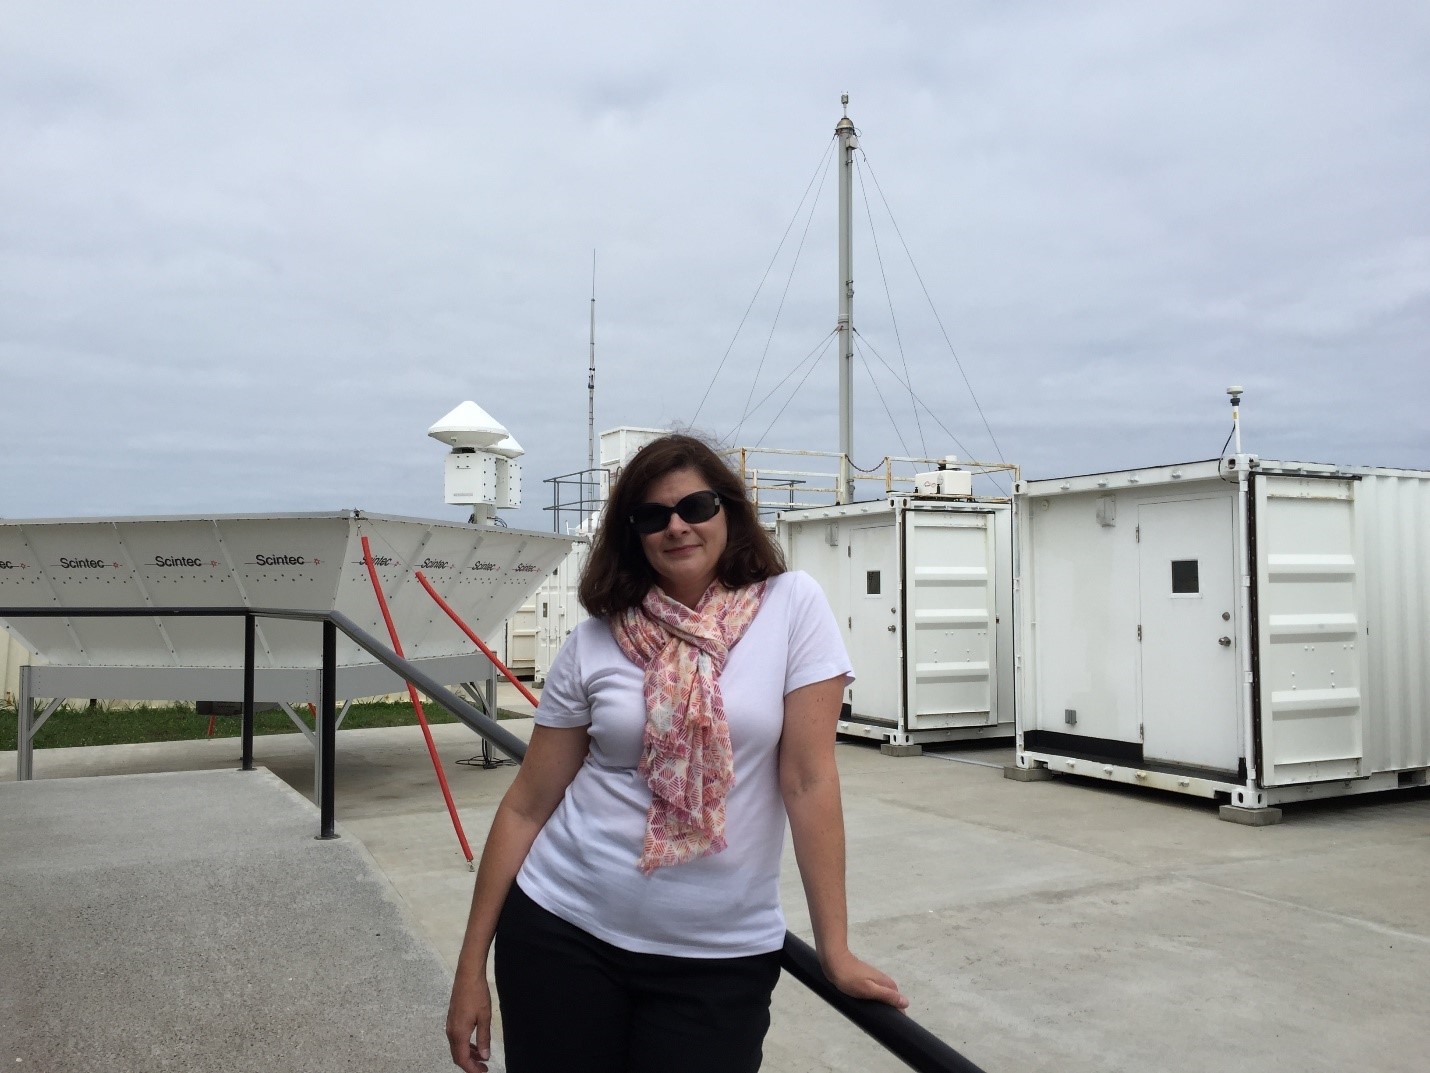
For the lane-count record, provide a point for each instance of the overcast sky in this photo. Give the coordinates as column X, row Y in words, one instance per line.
column 250, row 252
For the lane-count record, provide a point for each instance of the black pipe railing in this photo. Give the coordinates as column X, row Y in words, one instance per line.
column 895, row 1031
column 250, row 630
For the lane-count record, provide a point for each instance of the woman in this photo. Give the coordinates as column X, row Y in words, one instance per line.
column 631, row 876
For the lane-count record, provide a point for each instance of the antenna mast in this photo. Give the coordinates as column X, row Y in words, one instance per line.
column 591, row 379
column 1236, row 391
column 848, row 142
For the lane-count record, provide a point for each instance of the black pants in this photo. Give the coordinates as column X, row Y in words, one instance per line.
column 571, row 1003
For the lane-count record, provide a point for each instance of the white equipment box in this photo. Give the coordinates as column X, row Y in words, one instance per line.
column 923, row 592
column 1246, row 630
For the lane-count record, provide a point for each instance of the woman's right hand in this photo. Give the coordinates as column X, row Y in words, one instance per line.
column 469, row 1012
column 859, row 979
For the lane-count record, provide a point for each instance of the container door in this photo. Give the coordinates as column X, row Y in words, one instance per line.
column 951, row 602
column 521, row 637
column 1187, row 653
column 873, row 624
column 1309, row 623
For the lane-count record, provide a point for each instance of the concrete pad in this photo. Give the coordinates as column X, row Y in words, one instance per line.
column 888, row 748
column 907, row 863
column 191, row 921
column 1164, row 974
column 1068, row 925
column 1250, row 817
column 994, row 752
column 1124, row 823
column 1172, row 960
column 1383, row 886
column 1014, row 773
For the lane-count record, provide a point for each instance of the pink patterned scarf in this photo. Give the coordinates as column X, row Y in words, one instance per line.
column 686, row 756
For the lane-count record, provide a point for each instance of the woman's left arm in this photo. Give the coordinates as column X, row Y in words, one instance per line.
column 809, row 784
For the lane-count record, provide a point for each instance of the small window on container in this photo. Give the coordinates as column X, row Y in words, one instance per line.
column 871, row 583
column 1184, row 577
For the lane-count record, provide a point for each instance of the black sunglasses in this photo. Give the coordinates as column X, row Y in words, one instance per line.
column 696, row 507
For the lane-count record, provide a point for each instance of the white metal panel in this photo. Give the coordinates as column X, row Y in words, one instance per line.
column 1130, row 480
column 1079, row 611
column 1189, row 659
column 1005, row 650
column 280, row 561
column 619, row 445
column 1393, row 552
column 311, row 562
column 485, row 572
column 816, row 542
column 13, row 656
column 1309, row 622
column 520, row 637
column 950, row 598
column 874, row 622
column 558, row 608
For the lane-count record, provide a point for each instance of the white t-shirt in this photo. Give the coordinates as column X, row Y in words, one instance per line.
column 582, row 866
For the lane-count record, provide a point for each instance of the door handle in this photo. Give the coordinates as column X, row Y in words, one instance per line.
column 893, row 629
column 1225, row 642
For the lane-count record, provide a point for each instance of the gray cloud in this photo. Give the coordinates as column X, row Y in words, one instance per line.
column 249, row 254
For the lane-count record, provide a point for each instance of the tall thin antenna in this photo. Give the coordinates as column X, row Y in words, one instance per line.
column 848, row 143
column 591, row 378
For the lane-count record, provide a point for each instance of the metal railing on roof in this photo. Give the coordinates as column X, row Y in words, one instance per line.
column 781, row 479
column 899, row 1034
column 576, row 496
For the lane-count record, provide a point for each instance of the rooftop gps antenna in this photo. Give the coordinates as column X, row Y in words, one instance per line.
column 1235, row 391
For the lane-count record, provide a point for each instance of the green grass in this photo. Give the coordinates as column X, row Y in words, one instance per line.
column 100, row 726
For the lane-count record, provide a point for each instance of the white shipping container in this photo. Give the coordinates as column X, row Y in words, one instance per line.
column 519, row 638
column 558, row 611
column 1245, row 630
column 619, row 445
column 13, row 656
column 923, row 593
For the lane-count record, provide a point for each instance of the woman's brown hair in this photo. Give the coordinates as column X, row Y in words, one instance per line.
column 617, row 575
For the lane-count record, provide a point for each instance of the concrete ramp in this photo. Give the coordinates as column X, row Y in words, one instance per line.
column 186, row 921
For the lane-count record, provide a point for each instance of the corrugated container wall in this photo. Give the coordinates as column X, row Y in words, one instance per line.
column 519, row 639
column 558, row 609
column 1393, row 523
column 12, row 657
